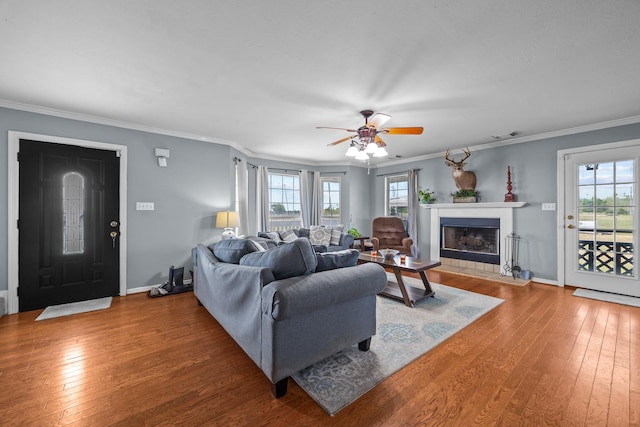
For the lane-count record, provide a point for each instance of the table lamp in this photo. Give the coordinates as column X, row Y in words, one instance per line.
column 227, row 220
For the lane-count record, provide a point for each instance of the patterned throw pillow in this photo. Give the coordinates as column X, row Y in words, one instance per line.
column 273, row 235
column 259, row 246
column 336, row 232
column 288, row 236
column 318, row 235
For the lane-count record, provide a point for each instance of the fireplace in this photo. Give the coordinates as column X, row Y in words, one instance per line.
column 503, row 211
column 471, row 239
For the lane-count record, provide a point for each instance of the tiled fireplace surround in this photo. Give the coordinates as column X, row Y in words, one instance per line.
column 501, row 210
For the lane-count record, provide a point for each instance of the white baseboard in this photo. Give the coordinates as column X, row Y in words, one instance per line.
column 146, row 288
column 5, row 306
column 545, row 281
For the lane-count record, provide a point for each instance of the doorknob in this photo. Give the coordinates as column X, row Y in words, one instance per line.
column 571, row 226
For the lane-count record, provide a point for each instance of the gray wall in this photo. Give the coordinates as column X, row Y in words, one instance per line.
column 200, row 181
column 533, row 171
column 187, row 193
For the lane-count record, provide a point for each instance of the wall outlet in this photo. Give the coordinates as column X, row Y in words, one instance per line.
column 548, row 206
column 145, row 206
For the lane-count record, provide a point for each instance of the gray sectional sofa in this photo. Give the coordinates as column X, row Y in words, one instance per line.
column 288, row 307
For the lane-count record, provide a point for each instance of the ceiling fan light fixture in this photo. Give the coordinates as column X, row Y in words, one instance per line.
column 366, row 140
column 352, row 151
column 362, row 156
column 380, row 152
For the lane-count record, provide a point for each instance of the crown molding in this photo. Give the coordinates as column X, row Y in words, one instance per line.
column 116, row 123
column 519, row 140
column 150, row 129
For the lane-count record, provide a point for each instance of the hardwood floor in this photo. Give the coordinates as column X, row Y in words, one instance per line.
column 543, row 357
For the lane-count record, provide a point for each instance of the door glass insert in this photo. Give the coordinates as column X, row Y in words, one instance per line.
column 73, row 213
column 606, row 209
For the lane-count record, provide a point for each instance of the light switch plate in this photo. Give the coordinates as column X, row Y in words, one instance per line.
column 548, row 206
column 145, row 206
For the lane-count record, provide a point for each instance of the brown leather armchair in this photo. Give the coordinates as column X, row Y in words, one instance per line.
column 387, row 232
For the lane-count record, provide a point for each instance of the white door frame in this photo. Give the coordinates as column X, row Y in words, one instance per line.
column 560, row 218
column 13, row 201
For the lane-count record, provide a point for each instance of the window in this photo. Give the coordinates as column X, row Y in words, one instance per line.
column 73, row 213
column 397, row 196
column 284, row 202
column 330, row 201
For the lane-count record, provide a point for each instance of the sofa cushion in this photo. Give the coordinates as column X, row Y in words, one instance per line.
column 289, row 260
column 319, row 235
column 336, row 232
column 232, row 250
column 337, row 259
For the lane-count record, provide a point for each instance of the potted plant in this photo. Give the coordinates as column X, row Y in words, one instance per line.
column 465, row 196
column 427, row 196
column 354, row 232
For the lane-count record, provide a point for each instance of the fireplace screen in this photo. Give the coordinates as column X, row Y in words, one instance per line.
column 474, row 239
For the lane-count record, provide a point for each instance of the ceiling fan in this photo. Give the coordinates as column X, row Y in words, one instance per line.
column 367, row 137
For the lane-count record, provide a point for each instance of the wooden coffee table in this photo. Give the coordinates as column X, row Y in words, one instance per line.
column 398, row 290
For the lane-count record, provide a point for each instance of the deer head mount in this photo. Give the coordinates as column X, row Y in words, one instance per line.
column 465, row 180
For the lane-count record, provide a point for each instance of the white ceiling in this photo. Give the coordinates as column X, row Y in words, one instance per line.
column 261, row 75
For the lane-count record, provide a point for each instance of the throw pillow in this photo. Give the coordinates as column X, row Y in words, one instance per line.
column 288, row 236
column 319, row 235
column 232, row 250
column 336, row 232
column 273, row 235
column 289, row 260
column 259, row 246
column 337, row 259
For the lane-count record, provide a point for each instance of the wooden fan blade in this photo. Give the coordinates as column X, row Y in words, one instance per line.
column 342, row 140
column 403, row 131
column 378, row 119
column 327, row 127
column 379, row 141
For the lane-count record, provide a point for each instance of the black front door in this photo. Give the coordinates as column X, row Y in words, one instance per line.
column 68, row 224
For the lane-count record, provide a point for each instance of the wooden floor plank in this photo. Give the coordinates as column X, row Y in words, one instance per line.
column 543, row 357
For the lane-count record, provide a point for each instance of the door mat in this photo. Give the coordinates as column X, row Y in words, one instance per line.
column 608, row 297
column 403, row 335
column 74, row 308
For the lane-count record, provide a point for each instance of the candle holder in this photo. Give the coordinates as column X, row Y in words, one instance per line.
column 509, row 197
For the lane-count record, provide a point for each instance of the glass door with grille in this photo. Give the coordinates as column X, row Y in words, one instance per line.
column 601, row 220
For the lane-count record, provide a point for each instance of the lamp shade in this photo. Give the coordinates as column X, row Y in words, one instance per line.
column 362, row 156
column 227, row 219
column 380, row 152
column 352, row 151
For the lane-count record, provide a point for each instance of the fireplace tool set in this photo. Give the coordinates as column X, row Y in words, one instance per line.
column 512, row 244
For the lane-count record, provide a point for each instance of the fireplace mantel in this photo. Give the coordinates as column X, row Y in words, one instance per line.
column 502, row 210
column 473, row 205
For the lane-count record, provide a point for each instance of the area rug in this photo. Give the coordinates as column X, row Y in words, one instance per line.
column 403, row 335
column 607, row 296
column 74, row 308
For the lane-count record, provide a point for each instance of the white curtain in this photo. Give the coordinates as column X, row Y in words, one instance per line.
column 316, row 199
column 412, row 226
column 262, row 199
column 305, row 210
column 243, row 197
